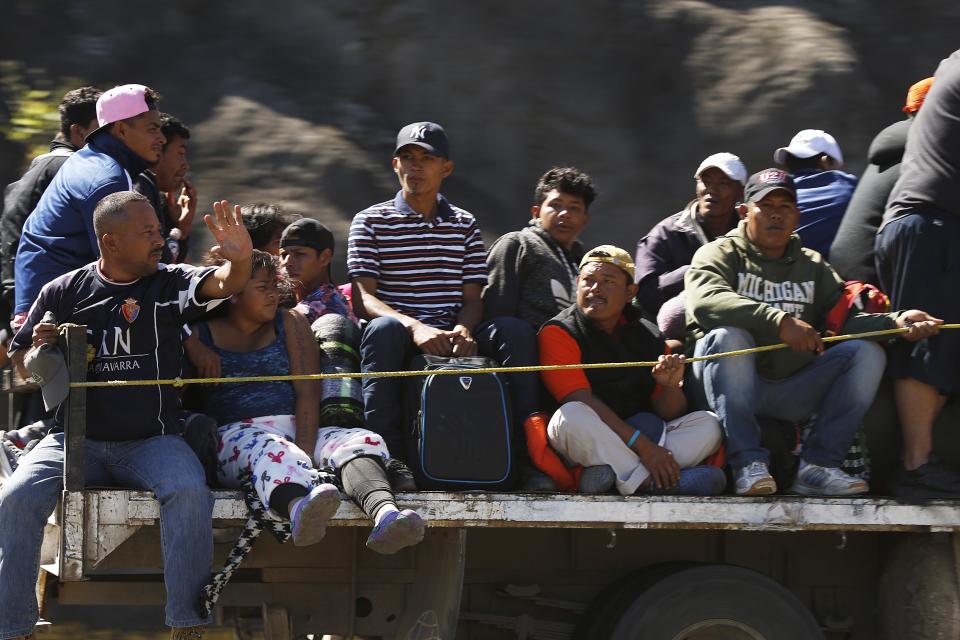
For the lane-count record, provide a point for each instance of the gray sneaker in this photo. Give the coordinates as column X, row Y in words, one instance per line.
column 814, row 480
column 754, row 480
column 597, row 479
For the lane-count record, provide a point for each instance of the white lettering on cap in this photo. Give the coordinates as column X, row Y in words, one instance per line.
column 419, row 132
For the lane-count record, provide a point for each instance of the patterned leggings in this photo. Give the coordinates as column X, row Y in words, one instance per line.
column 265, row 447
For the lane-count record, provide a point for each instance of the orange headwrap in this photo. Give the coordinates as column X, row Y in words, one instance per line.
column 916, row 94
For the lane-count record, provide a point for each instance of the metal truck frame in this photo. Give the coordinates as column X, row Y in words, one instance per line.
column 542, row 566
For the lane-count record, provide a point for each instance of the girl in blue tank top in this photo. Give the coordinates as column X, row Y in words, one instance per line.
column 270, row 429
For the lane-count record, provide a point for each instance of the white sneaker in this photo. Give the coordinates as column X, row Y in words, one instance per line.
column 814, row 480
column 755, row 480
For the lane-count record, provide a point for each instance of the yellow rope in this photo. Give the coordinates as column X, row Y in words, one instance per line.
column 179, row 382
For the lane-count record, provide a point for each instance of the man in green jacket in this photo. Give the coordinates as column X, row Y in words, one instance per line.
column 758, row 286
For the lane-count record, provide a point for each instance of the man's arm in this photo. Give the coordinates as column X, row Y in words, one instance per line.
column 501, row 296
column 657, row 279
column 19, row 201
column 233, row 243
column 467, row 321
column 428, row 339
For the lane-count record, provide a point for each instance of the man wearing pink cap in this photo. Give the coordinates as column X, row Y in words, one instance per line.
column 58, row 236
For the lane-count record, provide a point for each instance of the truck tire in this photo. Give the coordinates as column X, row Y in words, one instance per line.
column 604, row 611
column 716, row 602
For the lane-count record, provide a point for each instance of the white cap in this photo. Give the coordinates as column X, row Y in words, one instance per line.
column 726, row 162
column 809, row 143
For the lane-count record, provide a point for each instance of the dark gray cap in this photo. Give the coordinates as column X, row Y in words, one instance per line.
column 49, row 368
column 428, row 135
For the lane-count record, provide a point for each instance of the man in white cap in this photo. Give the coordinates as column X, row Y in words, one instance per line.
column 58, row 236
column 664, row 254
column 814, row 159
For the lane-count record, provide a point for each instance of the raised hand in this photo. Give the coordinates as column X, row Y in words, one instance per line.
column 233, row 239
column 186, row 203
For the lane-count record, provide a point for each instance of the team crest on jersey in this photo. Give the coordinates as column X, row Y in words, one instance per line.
column 130, row 310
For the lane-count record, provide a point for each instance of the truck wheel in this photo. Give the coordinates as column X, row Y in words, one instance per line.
column 601, row 616
column 716, row 602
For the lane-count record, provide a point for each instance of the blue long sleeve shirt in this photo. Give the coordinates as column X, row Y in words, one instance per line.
column 58, row 235
column 822, row 197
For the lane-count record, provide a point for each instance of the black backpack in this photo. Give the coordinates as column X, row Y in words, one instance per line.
column 461, row 431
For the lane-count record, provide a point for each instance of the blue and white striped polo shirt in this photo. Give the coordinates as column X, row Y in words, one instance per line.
column 420, row 266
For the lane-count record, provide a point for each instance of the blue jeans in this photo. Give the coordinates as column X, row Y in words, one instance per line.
column 513, row 343
column 838, row 386
column 387, row 346
column 164, row 465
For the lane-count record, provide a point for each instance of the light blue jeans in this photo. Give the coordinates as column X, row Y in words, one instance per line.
column 839, row 386
column 164, row 465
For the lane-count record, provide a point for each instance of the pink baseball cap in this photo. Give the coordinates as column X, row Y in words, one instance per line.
column 120, row 103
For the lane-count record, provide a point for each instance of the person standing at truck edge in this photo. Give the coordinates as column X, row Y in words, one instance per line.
column 758, row 286
column 852, row 251
column 134, row 309
column 917, row 265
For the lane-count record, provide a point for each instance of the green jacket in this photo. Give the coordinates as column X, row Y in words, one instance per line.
column 731, row 283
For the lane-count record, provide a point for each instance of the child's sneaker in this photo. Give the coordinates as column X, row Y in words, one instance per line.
column 397, row 530
column 308, row 518
column 755, row 480
column 814, row 480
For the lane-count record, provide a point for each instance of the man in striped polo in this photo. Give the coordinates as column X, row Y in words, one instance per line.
column 419, row 265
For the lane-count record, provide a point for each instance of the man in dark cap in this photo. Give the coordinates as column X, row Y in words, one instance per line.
column 755, row 286
column 419, row 266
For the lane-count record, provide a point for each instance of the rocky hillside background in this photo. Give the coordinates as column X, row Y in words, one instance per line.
column 298, row 101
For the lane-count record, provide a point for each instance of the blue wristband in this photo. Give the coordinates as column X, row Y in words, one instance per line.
column 633, row 438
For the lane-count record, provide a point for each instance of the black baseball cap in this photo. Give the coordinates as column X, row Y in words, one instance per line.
column 428, row 135
column 763, row 182
column 307, row 232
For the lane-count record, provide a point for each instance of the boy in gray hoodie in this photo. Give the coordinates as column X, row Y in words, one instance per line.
column 756, row 286
column 531, row 278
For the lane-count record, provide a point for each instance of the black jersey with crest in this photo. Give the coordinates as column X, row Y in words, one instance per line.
column 134, row 332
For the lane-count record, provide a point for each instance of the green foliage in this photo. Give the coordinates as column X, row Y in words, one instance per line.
column 29, row 98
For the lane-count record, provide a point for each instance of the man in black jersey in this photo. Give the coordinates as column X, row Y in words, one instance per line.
column 133, row 308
